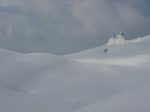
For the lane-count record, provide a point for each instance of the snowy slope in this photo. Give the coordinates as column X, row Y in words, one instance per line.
column 130, row 52
column 136, row 101
column 88, row 81
column 128, row 59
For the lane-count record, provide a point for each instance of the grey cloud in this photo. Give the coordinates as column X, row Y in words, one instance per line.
column 66, row 26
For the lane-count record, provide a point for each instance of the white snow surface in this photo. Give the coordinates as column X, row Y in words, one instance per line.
column 113, row 41
column 88, row 81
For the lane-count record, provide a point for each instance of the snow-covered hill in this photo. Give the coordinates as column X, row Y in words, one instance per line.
column 129, row 48
column 88, row 81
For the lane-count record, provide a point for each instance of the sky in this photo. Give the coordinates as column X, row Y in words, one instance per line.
column 67, row 26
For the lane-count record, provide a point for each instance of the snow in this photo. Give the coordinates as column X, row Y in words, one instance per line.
column 132, row 61
column 137, row 101
column 118, row 38
column 113, row 41
column 88, row 81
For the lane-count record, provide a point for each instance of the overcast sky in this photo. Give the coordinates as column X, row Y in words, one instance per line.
column 66, row 26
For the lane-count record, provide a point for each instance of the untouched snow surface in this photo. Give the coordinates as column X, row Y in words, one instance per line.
column 88, row 81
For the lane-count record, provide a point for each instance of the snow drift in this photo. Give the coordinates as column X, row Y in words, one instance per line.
column 88, row 81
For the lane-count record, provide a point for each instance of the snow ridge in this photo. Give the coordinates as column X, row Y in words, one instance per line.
column 118, row 38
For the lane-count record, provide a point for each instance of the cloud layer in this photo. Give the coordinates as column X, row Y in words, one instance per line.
column 66, row 26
